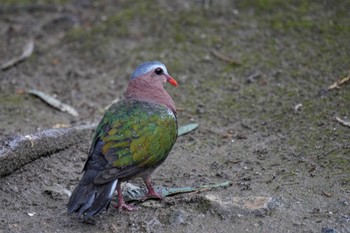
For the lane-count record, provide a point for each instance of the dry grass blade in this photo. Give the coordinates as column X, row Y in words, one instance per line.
column 54, row 102
column 27, row 52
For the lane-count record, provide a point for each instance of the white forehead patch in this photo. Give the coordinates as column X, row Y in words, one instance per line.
column 147, row 67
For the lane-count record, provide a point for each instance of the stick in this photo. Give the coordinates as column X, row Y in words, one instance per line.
column 23, row 149
column 27, row 52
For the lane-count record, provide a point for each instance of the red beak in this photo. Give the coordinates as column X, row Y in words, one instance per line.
column 172, row 81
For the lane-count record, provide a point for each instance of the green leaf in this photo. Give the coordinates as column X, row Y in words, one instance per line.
column 135, row 193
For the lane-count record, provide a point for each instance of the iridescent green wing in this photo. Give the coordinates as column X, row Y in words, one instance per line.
column 135, row 136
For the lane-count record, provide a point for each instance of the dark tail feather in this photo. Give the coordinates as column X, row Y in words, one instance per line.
column 88, row 198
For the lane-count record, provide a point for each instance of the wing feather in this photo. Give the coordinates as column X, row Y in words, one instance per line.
column 134, row 137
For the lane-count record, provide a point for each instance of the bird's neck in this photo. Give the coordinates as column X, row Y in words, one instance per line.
column 153, row 92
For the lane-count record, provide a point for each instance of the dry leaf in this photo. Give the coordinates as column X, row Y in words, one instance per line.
column 345, row 123
column 27, row 52
column 54, row 102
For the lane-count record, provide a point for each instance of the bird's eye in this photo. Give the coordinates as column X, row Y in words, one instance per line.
column 158, row 71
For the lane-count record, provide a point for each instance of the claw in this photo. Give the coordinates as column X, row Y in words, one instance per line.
column 152, row 194
column 121, row 204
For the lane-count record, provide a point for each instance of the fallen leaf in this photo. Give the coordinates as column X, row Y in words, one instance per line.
column 27, row 52
column 56, row 188
column 187, row 128
column 52, row 101
column 134, row 193
column 345, row 123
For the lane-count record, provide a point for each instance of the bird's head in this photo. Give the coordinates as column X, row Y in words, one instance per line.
column 155, row 71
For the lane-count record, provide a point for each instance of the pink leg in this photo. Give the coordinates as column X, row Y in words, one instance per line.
column 151, row 192
column 121, row 204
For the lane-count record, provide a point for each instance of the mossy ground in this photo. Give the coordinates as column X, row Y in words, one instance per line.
column 289, row 53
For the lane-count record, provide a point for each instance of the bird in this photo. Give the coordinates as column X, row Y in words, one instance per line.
column 133, row 138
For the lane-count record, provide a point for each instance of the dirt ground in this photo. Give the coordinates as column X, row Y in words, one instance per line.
column 253, row 74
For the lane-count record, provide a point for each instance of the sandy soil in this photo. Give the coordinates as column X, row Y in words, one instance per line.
column 250, row 132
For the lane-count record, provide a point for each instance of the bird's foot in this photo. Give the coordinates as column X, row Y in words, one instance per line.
column 121, row 203
column 152, row 195
column 125, row 206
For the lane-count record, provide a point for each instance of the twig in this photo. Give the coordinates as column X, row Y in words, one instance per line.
column 27, row 52
column 327, row 194
column 255, row 76
column 54, row 102
column 345, row 123
column 339, row 82
column 23, row 149
column 224, row 57
column 180, row 109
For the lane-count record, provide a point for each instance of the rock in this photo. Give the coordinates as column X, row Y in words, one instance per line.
column 241, row 206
